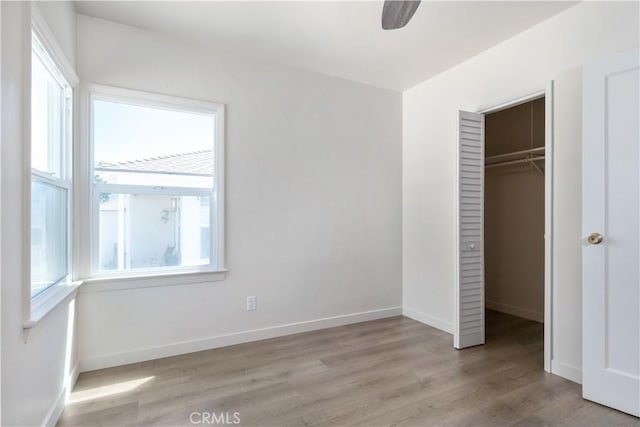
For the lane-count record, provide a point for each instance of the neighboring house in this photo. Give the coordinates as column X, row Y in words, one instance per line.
column 149, row 230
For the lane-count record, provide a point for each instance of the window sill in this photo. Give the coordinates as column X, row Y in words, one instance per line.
column 118, row 283
column 46, row 302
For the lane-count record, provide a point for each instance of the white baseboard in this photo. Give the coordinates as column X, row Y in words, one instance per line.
column 565, row 370
column 174, row 349
column 73, row 377
column 515, row 311
column 56, row 409
column 427, row 319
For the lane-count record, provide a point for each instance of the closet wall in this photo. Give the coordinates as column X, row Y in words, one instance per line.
column 514, row 214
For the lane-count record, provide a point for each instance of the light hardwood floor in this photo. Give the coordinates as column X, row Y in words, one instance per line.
column 387, row 372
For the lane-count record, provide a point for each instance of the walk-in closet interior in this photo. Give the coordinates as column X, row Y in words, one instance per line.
column 514, row 210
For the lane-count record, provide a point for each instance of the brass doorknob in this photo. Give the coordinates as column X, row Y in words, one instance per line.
column 595, row 238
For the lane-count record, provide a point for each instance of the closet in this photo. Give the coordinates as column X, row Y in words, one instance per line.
column 514, row 210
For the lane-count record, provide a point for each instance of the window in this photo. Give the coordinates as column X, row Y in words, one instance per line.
column 51, row 136
column 156, row 184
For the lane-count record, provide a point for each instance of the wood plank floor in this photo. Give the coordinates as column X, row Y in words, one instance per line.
column 386, row 372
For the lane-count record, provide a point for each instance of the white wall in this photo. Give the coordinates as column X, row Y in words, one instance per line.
column 514, row 213
column 61, row 18
column 567, row 224
column 514, row 68
column 36, row 370
column 313, row 201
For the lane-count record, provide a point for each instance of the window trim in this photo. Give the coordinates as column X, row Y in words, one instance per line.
column 99, row 280
column 65, row 179
column 39, row 306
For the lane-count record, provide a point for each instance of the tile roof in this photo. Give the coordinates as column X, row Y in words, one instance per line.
column 193, row 163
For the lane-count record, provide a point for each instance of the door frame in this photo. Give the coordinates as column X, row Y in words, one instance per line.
column 547, row 93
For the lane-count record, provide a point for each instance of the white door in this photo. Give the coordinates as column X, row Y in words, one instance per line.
column 611, row 231
column 469, row 329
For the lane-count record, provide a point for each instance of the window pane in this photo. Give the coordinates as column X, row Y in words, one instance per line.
column 205, row 229
column 205, row 242
column 47, row 118
column 152, row 231
column 48, row 235
column 141, row 145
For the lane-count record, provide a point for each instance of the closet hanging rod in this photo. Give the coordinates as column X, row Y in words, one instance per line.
column 515, row 153
column 515, row 162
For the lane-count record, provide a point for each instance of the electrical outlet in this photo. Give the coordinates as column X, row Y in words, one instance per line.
column 251, row 303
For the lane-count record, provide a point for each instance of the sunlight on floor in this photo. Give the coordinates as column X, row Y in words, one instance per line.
column 109, row 390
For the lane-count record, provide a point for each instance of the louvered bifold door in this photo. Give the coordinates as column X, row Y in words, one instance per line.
column 469, row 329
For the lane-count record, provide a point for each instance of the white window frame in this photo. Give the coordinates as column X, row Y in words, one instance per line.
column 98, row 280
column 37, row 307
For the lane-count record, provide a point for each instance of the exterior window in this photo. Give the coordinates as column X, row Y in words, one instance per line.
column 51, row 136
column 205, row 228
column 154, row 186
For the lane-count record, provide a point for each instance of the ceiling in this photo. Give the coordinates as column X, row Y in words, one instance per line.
column 342, row 39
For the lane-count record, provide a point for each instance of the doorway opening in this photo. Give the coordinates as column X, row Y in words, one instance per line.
column 504, row 220
column 514, row 225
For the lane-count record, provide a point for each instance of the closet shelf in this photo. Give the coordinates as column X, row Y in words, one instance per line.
column 515, row 162
column 531, row 151
column 530, row 156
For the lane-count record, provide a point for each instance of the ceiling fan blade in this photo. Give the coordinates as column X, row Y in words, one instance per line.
column 397, row 13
